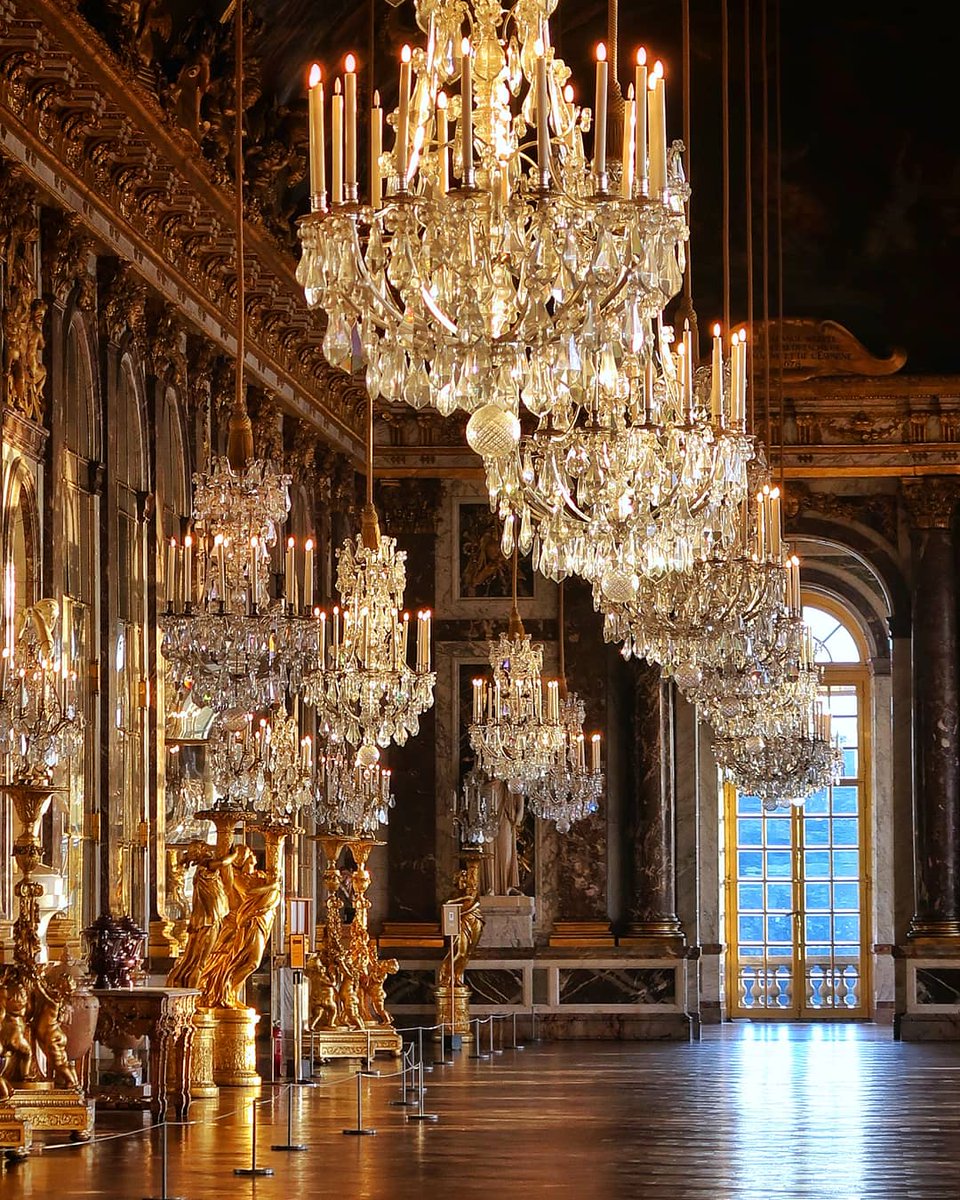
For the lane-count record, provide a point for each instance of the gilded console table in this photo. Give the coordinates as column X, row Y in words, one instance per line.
column 164, row 1016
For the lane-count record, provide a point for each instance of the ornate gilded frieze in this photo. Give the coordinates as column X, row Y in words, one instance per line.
column 24, row 310
column 931, row 502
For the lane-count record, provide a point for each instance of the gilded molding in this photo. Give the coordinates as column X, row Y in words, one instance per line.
column 931, row 502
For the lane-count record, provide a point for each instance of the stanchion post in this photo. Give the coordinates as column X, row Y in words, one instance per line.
column 253, row 1169
column 420, row 1115
column 477, row 1052
column 516, row 1045
column 163, row 1168
column 289, row 1143
column 403, row 1102
column 420, row 1047
column 493, row 1020
column 359, row 1131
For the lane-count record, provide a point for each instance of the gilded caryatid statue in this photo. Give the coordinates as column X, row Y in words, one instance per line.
column 254, row 896
column 211, row 904
column 467, row 896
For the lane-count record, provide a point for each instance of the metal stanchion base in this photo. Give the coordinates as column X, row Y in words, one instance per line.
column 253, row 1171
column 291, row 1147
column 164, row 1198
column 359, row 1132
column 402, row 1103
column 478, row 1054
column 422, row 1117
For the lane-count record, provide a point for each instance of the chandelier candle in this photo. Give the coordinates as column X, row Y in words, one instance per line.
column 657, row 132
column 318, row 166
column 640, row 92
column 543, row 130
column 403, row 118
column 170, row 581
column 336, row 149
column 308, row 575
column 376, row 149
column 443, row 134
column 716, row 379
column 600, row 121
column 629, row 143
column 466, row 112
column 350, row 127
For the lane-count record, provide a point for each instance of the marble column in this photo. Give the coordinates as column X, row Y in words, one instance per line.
column 649, row 855
column 931, row 505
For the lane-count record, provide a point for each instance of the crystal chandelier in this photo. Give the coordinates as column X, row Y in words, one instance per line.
column 642, row 471
column 40, row 724
column 716, row 614
column 476, row 808
column 350, row 797
column 518, row 277
column 569, row 790
column 783, row 769
column 365, row 692
column 516, row 732
column 260, row 766
column 225, row 634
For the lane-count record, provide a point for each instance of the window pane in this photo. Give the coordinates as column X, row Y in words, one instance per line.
column 750, row 864
column 846, row 928
column 778, row 831
column 816, row 831
column 846, row 895
column 780, row 929
column 845, row 799
column 750, row 929
column 750, row 897
column 817, row 804
column 750, row 831
column 816, row 864
column 778, row 864
column 817, row 897
column 816, row 929
column 846, row 831
column 779, row 897
column 748, row 805
column 846, row 864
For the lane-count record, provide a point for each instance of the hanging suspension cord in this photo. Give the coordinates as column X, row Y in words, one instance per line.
column 686, row 311
column 240, row 430
column 561, row 639
column 725, row 135
column 515, row 629
column 748, row 194
column 778, row 208
column 766, row 221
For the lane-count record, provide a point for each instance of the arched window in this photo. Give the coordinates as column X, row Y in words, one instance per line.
column 797, row 899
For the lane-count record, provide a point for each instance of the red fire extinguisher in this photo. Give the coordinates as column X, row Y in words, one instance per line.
column 277, row 1037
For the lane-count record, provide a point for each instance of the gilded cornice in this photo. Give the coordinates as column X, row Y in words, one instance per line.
column 100, row 144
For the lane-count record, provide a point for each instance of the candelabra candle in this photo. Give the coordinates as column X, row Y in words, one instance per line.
column 477, row 700
column 406, row 635
column 187, row 569
column 170, row 581
column 743, row 378
column 570, row 132
column 658, row 132
column 581, row 753
column 318, row 166
column 403, row 118
column 350, row 125
column 600, row 116
column 289, row 575
column 466, row 111
column 775, row 523
column 322, row 635
column 443, row 133
column 761, row 525
column 629, row 144
column 376, row 149
column 336, row 636
column 336, row 150
column 308, row 575
column 716, row 379
column 595, row 753
column 640, row 89
column 543, row 131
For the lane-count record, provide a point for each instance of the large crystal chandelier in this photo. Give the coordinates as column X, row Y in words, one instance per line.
column 360, row 681
column 516, row 732
column 513, row 279
column 570, row 789
column 260, row 766
column 40, row 724
column 783, row 769
column 643, row 469
column 476, row 808
column 717, row 613
column 351, row 797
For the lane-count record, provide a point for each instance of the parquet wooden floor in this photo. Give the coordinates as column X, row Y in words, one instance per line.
column 752, row 1112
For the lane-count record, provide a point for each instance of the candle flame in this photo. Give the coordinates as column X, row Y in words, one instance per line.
column 630, row 92
column 188, row 540
column 641, row 57
column 601, row 52
column 794, row 561
column 658, row 69
column 568, row 93
column 376, row 99
column 716, row 330
column 405, row 54
column 309, row 544
column 350, row 64
column 316, row 75
column 336, row 88
column 441, row 100
column 465, row 47
column 290, row 543
column 538, row 47
column 775, row 494
column 743, row 336
column 652, row 81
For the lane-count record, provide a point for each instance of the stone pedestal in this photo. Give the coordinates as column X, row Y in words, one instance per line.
column 234, row 1047
column 460, row 1011
column 507, row 922
column 202, row 1083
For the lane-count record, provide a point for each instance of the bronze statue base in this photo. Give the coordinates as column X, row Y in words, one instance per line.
column 461, row 1012
column 16, row 1133
column 234, row 1047
column 66, row 1110
column 202, row 1083
column 354, row 1043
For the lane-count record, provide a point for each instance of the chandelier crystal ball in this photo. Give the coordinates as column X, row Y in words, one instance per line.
column 516, row 732
column 489, row 260
column 570, row 790
column 360, row 681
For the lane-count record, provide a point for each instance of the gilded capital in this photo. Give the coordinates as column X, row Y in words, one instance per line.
column 931, row 501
